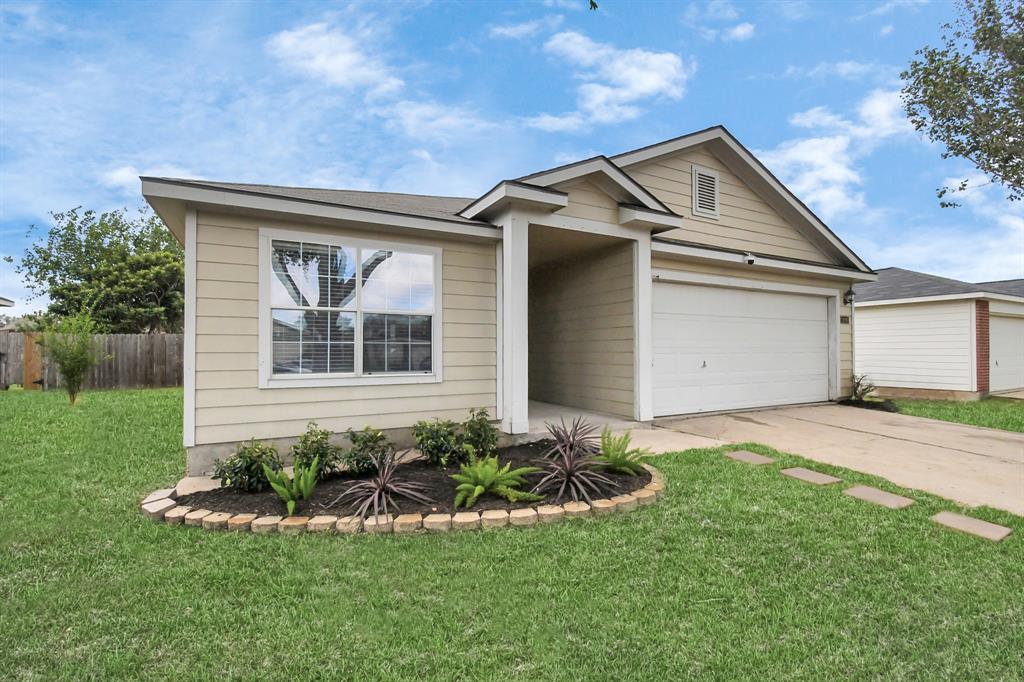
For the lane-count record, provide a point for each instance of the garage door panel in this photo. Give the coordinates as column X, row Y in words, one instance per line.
column 718, row 349
column 1006, row 353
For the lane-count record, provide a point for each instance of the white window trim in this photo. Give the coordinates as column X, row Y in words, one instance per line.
column 695, row 169
column 265, row 329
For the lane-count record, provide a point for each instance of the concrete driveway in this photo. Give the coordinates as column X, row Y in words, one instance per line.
column 968, row 464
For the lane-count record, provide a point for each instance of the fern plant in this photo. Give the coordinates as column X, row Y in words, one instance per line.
column 486, row 476
column 617, row 456
column 291, row 489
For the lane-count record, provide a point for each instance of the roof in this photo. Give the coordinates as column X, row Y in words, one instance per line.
column 420, row 205
column 6, row 302
column 897, row 283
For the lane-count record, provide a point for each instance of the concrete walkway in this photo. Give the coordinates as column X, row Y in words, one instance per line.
column 968, row 464
column 1016, row 395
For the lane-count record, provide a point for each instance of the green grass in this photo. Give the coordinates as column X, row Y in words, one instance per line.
column 995, row 413
column 737, row 573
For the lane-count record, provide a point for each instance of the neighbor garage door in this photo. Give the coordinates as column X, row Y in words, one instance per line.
column 1006, row 353
column 718, row 348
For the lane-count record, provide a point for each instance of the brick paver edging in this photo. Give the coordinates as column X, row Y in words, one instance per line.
column 161, row 506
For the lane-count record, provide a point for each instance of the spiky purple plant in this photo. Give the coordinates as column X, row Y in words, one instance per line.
column 572, row 468
column 579, row 437
column 379, row 491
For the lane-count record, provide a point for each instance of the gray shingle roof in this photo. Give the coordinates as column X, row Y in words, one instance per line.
column 420, row 205
column 895, row 283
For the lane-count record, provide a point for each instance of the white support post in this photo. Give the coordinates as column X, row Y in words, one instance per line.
column 643, row 310
column 189, row 351
column 515, row 339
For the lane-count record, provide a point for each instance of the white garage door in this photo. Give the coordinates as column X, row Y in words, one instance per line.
column 722, row 349
column 1006, row 353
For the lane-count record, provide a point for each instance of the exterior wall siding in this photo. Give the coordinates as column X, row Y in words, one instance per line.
column 745, row 220
column 230, row 406
column 846, row 343
column 588, row 201
column 921, row 345
column 582, row 333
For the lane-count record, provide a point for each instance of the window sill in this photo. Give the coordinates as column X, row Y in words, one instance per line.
column 370, row 380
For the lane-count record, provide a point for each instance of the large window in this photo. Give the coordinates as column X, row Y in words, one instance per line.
column 349, row 309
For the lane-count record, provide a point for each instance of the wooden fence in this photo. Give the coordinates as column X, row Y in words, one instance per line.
column 132, row 361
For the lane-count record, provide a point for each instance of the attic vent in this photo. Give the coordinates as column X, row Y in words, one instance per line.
column 705, row 192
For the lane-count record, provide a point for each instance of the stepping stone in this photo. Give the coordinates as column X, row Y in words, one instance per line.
column 625, row 502
column 466, row 520
column 809, row 476
column 385, row 523
column 437, row 523
column 407, row 523
column 522, row 517
column 241, row 522
column 749, row 457
column 494, row 518
column 265, row 524
column 603, row 507
column 156, row 510
column 159, row 495
column 549, row 513
column 644, row 496
column 293, row 525
column 322, row 524
column 176, row 516
column 876, row 496
column 574, row 509
column 196, row 516
column 966, row 524
column 216, row 521
column 349, row 524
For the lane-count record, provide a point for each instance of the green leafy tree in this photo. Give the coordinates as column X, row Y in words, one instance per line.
column 129, row 268
column 70, row 342
column 968, row 94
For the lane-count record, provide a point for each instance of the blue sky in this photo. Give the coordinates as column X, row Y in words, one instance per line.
column 449, row 97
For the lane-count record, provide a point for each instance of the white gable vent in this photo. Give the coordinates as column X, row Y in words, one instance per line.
column 705, row 192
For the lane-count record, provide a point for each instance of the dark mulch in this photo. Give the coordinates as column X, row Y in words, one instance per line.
column 439, row 487
column 881, row 405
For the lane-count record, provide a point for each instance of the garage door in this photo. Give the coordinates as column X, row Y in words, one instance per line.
column 1006, row 353
column 717, row 348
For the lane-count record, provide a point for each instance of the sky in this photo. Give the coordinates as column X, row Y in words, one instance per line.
column 451, row 97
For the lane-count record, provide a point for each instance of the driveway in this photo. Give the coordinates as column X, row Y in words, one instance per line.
column 968, row 464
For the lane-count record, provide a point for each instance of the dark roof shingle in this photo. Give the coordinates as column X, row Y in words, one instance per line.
column 896, row 283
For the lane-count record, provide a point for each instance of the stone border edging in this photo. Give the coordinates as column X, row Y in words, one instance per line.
column 160, row 505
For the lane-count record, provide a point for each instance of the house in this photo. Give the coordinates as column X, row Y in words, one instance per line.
column 6, row 302
column 678, row 278
column 918, row 335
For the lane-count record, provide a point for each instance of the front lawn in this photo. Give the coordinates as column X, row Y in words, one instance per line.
column 995, row 413
column 737, row 573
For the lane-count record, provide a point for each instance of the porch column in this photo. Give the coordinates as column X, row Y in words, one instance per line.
column 643, row 311
column 515, row 342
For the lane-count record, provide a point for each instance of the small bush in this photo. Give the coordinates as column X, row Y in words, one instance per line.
column 616, row 455
column 478, row 432
column 366, row 445
column 71, row 344
column 292, row 489
column 244, row 470
column 862, row 387
column 315, row 445
column 438, row 442
column 379, row 491
column 486, row 476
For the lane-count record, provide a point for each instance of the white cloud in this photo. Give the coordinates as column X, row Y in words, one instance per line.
column 125, row 179
column 893, row 5
column 337, row 57
column 615, row 81
column 526, row 29
column 739, row 32
column 847, row 69
column 429, row 120
column 793, row 10
column 566, row 4
column 885, row 30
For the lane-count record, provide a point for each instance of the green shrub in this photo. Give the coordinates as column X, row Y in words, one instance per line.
column 616, row 455
column 71, row 344
column 292, row 489
column 486, row 476
column 480, row 433
column 244, row 470
column 366, row 445
column 315, row 445
column 438, row 441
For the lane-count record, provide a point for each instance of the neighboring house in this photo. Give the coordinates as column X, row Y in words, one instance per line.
column 678, row 278
column 927, row 336
column 6, row 302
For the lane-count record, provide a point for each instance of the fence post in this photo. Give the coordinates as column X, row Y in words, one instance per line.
column 32, row 363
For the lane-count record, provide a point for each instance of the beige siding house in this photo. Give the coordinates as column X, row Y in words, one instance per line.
column 919, row 335
column 674, row 279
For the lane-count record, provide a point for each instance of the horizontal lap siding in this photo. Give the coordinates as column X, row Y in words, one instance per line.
column 231, row 407
column 745, row 220
column 925, row 345
column 581, row 332
column 846, row 341
column 588, row 201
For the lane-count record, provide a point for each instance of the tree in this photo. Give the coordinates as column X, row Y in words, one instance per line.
column 71, row 344
column 129, row 269
column 968, row 95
